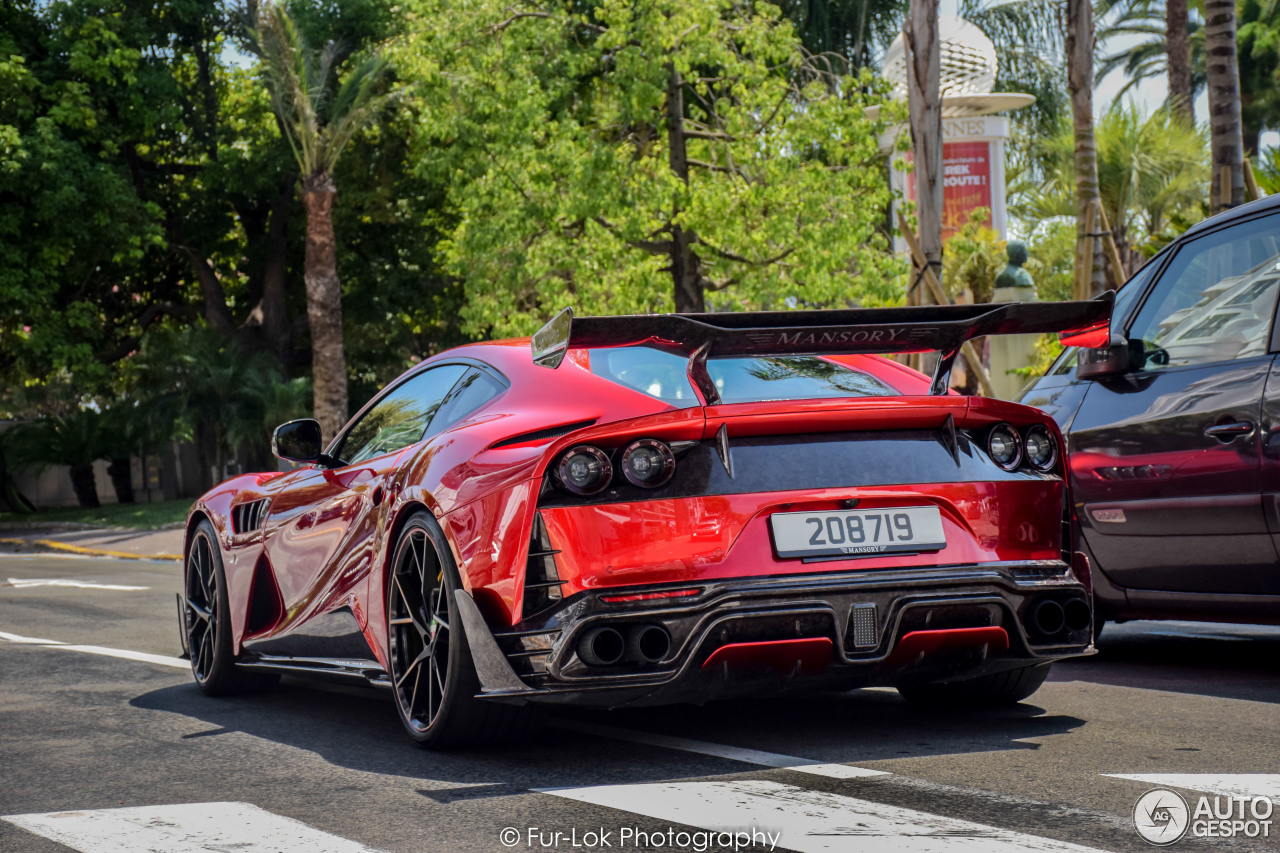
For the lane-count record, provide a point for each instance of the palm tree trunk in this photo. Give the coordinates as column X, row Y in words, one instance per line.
column 324, row 305
column 120, row 470
column 1078, row 34
column 1225, row 134
column 1178, row 54
column 924, row 64
column 82, row 483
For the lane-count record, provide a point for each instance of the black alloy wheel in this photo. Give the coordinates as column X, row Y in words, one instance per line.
column 419, row 631
column 433, row 677
column 206, row 620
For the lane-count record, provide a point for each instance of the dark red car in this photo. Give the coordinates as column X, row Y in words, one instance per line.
column 654, row 509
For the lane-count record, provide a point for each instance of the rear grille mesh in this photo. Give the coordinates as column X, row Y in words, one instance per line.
column 863, row 628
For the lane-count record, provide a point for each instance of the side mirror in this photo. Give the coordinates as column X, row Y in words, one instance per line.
column 1105, row 362
column 298, row 441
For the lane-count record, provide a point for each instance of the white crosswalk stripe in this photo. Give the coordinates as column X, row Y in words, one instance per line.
column 810, row 821
column 734, row 753
column 187, row 828
column 1224, row 784
column 27, row 583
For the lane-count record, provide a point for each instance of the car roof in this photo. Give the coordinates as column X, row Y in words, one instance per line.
column 1244, row 211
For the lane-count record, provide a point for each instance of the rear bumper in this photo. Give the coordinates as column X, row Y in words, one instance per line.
column 539, row 659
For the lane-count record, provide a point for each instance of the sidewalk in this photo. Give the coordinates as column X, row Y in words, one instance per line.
column 118, row 542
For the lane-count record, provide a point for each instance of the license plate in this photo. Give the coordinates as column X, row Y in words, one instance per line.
column 856, row 532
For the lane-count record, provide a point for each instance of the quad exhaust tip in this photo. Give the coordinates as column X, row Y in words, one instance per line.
column 641, row 644
column 602, row 646
column 1076, row 614
column 648, row 643
column 1048, row 617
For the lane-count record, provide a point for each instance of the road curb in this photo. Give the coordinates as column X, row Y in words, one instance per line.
column 39, row 545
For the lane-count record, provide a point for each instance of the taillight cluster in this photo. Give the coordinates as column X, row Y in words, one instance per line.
column 588, row 470
column 1009, row 448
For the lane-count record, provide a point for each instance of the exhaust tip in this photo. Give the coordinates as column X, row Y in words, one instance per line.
column 601, row 646
column 648, row 643
column 1048, row 617
column 1077, row 615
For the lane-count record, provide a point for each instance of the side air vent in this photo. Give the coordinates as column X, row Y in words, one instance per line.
column 247, row 517
column 542, row 434
column 541, row 581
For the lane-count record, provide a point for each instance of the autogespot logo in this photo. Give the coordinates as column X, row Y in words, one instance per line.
column 1161, row 816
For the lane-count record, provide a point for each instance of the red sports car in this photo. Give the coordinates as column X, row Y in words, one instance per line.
column 656, row 509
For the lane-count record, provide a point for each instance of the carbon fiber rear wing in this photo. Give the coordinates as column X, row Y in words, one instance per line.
column 944, row 328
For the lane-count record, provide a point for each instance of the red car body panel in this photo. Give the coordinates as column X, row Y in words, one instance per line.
column 709, row 538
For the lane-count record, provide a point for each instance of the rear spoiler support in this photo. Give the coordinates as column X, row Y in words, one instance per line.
column 925, row 328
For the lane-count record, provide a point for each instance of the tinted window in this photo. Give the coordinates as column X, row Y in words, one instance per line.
column 740, row 380
column 472, row 391
column 790, row 377
column 401, row 417
column 1216, row 300
column 650, row 371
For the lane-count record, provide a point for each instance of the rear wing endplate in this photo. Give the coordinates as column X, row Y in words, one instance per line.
column 944, row 328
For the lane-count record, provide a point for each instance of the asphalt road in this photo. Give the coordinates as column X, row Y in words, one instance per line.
column 102, row 752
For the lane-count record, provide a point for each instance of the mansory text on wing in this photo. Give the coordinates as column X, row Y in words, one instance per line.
column 656, row 509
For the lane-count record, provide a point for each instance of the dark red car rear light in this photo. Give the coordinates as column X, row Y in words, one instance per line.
column 650, row 596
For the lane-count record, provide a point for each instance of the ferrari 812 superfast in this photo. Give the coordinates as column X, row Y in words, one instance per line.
column 657, row 509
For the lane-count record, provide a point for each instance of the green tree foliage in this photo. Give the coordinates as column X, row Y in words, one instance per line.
column 1153, row 172
column 208, row 389
column 643, row 157
column 974, row 256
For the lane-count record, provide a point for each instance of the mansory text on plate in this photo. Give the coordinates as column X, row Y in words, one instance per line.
column 656, row 509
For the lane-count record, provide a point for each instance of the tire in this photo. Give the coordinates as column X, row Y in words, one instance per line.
column 425, row 642
column 206, row 618
column 998, row 688
column 1098, row 625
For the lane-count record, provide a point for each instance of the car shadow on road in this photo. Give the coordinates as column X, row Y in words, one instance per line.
column 357, row 729
column 1207, row 659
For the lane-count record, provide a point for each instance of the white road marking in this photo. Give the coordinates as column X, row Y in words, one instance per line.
column 145, row 657
column 810, row 821
column 734, row 753
column 24, row 583
column 1226, row 784
column 189, row 828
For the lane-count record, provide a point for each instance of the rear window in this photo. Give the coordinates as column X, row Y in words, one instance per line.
column 664, row 375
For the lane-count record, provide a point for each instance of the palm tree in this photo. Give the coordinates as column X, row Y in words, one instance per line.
column 76, row 440
column 1152, row 169
column 11, row 497
column 1177, row 35
column 1170, row 44
column 318, row 116
column 1226, row 131
column 1078, row 35
column 1157, row 54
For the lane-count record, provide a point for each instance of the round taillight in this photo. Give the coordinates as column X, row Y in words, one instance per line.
column 1041, row 449
column 584, row 470
column 1004, row 446
column 648, row 463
